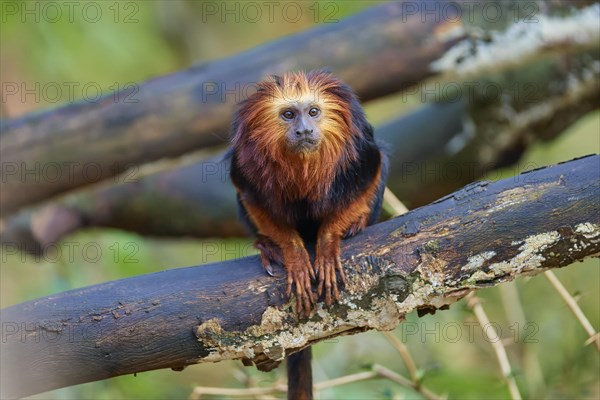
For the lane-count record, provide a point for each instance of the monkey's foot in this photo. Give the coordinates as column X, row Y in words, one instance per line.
column 300, row 273
column 356, row 227
column 327, row 263
column 270, row 253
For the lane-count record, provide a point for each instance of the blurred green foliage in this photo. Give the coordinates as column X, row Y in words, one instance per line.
column 135, row 41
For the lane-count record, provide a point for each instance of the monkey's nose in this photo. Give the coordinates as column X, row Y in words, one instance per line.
column 304, row 132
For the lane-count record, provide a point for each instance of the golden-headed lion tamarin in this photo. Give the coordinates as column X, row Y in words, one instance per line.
column 307, row 171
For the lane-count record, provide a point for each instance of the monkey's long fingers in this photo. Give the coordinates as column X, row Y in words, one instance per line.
column 340, row 269
column 311, row 272
column 308, row 295
column 327, row 279
column 321, row 272
column 333, row 286
column 298, row 279
column 290, row 280
column 303, row 294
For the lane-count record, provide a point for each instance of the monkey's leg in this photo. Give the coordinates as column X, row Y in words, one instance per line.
column 295, row 257
column 347, row 221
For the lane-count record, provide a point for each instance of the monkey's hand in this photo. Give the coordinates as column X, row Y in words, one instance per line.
column 281, row 244
column 299, row 270
column 346, row 223
column 299, row 275
column 327, row 263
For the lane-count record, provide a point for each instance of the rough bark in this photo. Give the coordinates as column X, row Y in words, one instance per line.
column 484, row 234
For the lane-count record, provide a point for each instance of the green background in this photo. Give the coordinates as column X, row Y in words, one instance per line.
column 130, row 42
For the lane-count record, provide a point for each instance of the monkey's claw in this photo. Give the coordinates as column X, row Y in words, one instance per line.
column 268, row 269
column 269, row 254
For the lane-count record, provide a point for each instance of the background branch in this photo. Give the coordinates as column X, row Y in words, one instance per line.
column 190, row 109
column 483, row 123
column 397, row 49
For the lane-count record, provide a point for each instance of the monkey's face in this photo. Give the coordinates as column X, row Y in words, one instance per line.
column 301, row 121
column 310, row 115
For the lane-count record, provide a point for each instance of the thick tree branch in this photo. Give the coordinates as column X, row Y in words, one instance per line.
column 483, row 235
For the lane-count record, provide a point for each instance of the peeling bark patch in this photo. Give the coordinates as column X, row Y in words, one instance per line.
column 272, row 320
column 431, row 268
column 268, row 343
column 210, row 331
column 427, row 290
column 367, row 271
column 477, row 261
column 529, row 256
column 588, row 230
column 386, row 319
column 397, row 285
column 533, row 251
column 519, row 195
column 469, row 57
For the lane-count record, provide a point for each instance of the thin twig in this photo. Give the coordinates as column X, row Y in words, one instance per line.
column 475, row 304
column 394, row 202
column 393, row 376
column 572, row 304
column 405, row 355
column 200, row 391
column 343, row 380
column 377, row 371
column 251, row 382
column 512, row 305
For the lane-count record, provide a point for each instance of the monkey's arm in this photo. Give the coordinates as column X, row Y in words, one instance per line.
column 346, row 222
column 291, row 247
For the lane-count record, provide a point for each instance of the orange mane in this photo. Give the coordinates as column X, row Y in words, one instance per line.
column 259, row 135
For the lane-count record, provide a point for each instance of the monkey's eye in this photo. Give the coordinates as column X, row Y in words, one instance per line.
column 288, row 115
column 313, row 112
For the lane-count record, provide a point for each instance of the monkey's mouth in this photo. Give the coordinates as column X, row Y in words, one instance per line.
column 305, row 145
